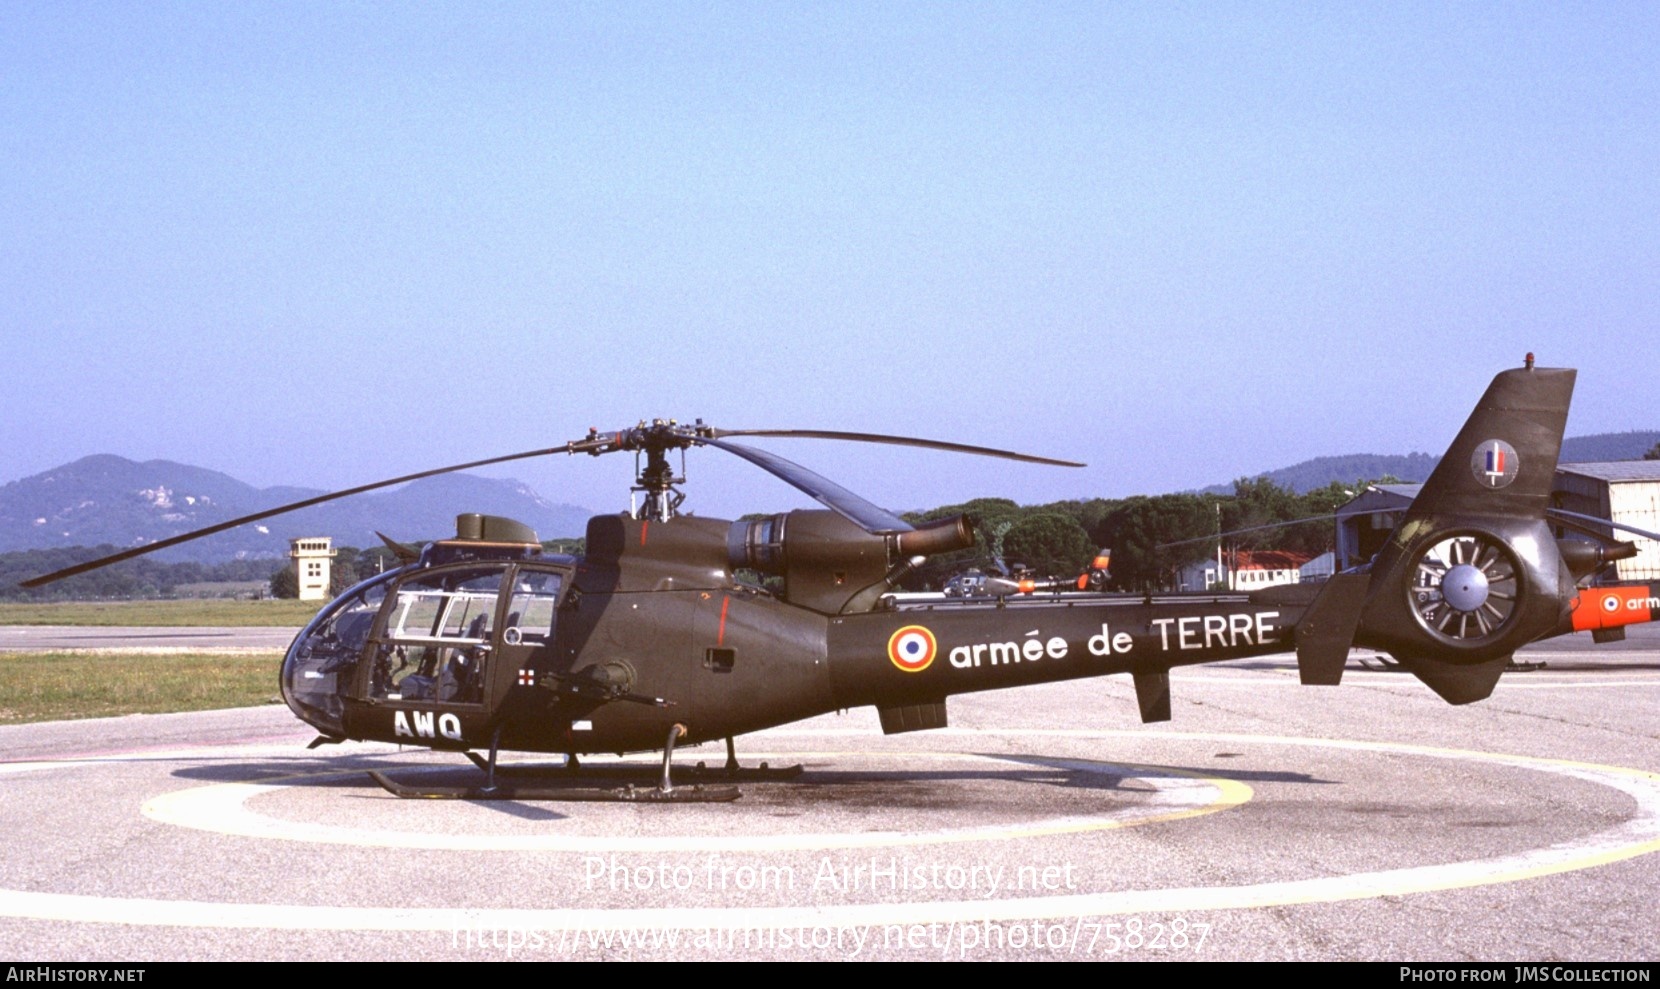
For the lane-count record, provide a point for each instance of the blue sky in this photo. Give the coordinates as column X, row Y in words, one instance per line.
column 319, row 244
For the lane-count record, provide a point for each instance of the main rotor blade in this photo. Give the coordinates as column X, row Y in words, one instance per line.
column 830, row 434
column 1563, row 515
column 1249, row 528
column 869, row 517
column 105, row 561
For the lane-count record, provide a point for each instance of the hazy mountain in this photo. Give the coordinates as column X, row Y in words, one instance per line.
column 1604, row 447
column 1321, row 471
column 109, row 499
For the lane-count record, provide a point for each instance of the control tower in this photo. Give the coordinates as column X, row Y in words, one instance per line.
column 312, row 557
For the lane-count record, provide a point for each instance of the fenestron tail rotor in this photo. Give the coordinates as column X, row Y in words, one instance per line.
column 1465, row 588
column 658, row 482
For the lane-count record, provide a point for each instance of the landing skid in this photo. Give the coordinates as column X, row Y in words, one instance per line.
column 732, row 770
column 761, row 773
column 1386, row 664
column 754, row 774
column 622, row 794
column 538, row 769
column 664, row 792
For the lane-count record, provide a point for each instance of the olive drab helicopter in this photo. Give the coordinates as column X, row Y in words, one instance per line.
column 653, row 638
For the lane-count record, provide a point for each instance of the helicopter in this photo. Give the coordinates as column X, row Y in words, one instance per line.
column 659, row 636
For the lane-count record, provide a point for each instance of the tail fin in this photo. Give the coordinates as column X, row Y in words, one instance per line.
column 1473, row 571
column 1503, row 462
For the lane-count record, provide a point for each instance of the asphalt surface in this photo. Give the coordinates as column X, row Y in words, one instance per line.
column 42, row 638
column 1266, row 821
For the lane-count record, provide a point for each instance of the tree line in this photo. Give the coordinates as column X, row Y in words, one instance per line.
column 1060, row 538
column 139, row 578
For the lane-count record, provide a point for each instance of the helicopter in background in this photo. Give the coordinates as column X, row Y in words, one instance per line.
column 1018, row 578
column 653, row 638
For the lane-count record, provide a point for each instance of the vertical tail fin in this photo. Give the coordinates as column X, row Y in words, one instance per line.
column 1504, row 460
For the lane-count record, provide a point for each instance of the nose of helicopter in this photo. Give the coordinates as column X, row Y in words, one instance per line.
column 320, row 662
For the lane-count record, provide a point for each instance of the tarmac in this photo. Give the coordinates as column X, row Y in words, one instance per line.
column 1267, row 820
column 43, row 638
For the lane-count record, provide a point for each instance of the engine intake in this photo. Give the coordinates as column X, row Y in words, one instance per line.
column 827, row 562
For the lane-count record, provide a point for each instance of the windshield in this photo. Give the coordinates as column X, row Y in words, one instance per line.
column 326, row 652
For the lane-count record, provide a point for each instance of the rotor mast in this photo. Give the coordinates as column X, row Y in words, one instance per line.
column 656, row 479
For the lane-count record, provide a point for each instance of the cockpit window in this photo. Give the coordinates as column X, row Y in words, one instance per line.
column 531, row 609
column 437, row 637
column 324, row 655
column 449, row 614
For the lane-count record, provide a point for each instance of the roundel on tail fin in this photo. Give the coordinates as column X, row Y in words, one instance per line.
column 1495, row 463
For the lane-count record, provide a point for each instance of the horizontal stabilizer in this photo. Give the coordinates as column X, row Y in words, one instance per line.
column 1328, row 629
column 1152, row 692
column 1458, row 684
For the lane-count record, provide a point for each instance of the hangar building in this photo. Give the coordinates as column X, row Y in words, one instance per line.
column 1626, row 491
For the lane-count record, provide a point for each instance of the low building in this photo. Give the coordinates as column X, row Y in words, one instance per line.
column 1245, row 570
column 1261, row 568
column 1201, row 576
column 1364, row 523
column 1321, row 566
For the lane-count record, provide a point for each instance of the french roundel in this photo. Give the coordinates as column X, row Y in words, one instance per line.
column 912, row 648
column 1611, row 603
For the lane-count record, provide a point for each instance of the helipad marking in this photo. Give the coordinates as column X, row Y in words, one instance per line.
column 147, row 753
column 221, row 808
column 1638, row 836
column 8, row 768
column 1384, row 678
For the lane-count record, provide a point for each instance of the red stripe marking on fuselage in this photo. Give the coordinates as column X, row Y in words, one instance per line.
column 720, row 636
column 644, row 524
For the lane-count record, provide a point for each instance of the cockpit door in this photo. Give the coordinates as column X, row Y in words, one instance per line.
column 525, row 647
column 434, row 638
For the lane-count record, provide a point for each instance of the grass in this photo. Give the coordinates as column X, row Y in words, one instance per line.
column 57, row 686
column 185, row 611
column 54, row 686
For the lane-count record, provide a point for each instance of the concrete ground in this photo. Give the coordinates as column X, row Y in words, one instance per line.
column 1266, row 821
